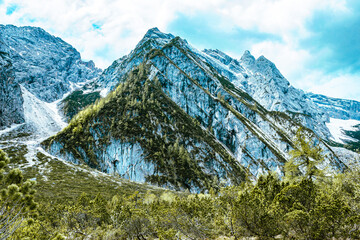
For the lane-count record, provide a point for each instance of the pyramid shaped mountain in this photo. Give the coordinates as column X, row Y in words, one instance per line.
column 183, row 118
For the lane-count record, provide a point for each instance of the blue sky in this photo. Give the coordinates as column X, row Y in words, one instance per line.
column 340, row 34
column 314, row 43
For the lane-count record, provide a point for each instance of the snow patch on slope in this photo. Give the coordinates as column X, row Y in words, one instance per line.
column 43, row 117
column 11, row 128
column 338, row 126
column 104, row 92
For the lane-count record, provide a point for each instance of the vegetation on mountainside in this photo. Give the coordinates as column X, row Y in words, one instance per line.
column 17, row 203
column 138, row 111
column 305, row 205
column 353, row 145
column 60, row 181
column 77, row 101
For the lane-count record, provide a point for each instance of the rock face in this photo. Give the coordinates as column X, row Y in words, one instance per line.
column 169, row 114
column 45, row 65
column 336, row 107
column 11, row 110
column 263, row 81
column 247, row 111
column 137, row 131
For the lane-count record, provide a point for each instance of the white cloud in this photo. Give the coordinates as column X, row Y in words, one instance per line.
column 280, row 17
column 339, row 85
column 72, row 19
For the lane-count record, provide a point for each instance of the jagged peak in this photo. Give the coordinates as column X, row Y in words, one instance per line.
column 31, row 33
column 153, row 30
column 247, row 52
column 31, row 29
column 268, row 68
column 156, row 33
column 263, row 61
column 247, row 58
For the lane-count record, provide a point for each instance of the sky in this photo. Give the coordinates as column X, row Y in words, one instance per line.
column 314, row 43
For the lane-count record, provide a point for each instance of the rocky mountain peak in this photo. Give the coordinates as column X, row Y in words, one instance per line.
column 247, row 58
column 246, row 114
column 44, row 64
column 268, row 69
column 155, row 33
column 153, row 38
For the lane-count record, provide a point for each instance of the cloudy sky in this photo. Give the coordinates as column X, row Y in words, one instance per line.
column 314, row 43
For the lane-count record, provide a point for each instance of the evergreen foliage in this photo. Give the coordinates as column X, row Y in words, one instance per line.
column 303, row 207
column 17, row 203
column 77, row 101
column 306, row 157
column 268, row 208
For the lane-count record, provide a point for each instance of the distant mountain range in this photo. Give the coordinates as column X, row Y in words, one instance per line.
column 166, row 113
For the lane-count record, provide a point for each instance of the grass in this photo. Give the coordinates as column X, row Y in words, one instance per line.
column 16, row 154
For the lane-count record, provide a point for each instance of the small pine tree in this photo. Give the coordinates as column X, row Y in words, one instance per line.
column 16, row 198
column 305, row 159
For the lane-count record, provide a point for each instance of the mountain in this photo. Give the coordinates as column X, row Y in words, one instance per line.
column 344, row 123
column 11, row 110
column 37, row 73
column 336, row 107
column 183, row 118
column 42, row 64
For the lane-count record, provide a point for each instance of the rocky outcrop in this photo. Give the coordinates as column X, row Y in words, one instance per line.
column 11, row 110
column 153, row 39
